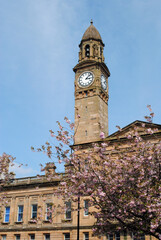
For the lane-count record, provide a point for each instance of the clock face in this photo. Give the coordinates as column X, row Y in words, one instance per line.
column 103, row 82
column 86, row 79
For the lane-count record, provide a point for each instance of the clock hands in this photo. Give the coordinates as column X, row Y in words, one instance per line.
column 103, row 82
column 88, row 77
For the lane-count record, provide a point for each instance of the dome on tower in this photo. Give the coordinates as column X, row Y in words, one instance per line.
column 91, row 33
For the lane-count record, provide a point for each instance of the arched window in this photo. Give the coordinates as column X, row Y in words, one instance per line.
column 87, row 50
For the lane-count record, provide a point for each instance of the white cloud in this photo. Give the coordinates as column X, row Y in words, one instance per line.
column 23, row 171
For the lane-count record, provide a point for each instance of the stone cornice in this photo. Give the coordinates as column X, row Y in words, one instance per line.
column 42, row 228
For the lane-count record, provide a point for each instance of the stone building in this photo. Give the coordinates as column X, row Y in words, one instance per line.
column 27, row 213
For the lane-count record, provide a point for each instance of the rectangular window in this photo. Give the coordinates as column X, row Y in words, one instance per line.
column 48, row 214
column 7, row 214
column 46, row 236
column 68, row 210
column 138, row 236
column 66, row 236
column 34, row 211
column 17, row 237
column 4, row 237
column 86, row 207
column 142, row 236
column 32, row 236
column 20, row 213
column 110, row 236
column 117, row 236
column 86, row 236
column 125, row 235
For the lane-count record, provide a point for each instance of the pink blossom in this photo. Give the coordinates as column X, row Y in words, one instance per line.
column 102, row 135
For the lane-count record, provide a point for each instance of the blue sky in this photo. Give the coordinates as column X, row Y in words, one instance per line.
column 38, row 49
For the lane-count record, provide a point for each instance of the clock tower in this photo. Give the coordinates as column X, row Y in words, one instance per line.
column 91, row 89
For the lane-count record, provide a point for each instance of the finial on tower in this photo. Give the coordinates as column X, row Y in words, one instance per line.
column 91, row 21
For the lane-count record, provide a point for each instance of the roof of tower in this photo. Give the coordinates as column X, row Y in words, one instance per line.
column 91, row 33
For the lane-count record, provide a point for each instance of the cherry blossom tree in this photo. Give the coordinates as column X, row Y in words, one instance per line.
column 122, row 179
column 6, row 161
column 5, row 175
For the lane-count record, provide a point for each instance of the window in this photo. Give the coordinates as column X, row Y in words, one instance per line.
column 46, row 236
column 87, row 50
column 117, row 236
column 34, row 211
column 86, row 207
column 101, row 51
column 48, row 214
column 125, row 234
column 7, row 214
column 142, row 236
column 138, row 236
column 32, row 236
column 110, row 236
column 17, row 237
column 4, row 237
column 20, row 213
column 66, row 236
column 68, row 210
column 86, row 236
